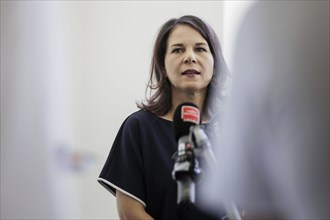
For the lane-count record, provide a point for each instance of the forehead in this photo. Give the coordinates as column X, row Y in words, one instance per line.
column 185, row 34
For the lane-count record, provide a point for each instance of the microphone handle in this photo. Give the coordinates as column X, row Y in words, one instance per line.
column 204, row 148
column 183, row 171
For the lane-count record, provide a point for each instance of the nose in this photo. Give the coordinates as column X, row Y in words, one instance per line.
column 190, row 58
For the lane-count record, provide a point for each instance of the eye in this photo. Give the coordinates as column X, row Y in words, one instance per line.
column 201, row 49
column 177, row 50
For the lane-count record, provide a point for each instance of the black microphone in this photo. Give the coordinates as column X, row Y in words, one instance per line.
column 186, row 167
column 192, row 143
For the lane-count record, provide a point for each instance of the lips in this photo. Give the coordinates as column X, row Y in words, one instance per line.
column 191, row 72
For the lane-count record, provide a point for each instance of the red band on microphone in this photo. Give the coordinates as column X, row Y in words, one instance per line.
column 190, row 114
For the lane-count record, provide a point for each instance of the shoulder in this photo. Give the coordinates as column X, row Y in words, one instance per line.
column 145, row 121
column 140, row 117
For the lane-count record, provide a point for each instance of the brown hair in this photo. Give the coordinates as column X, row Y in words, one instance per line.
column 160, row 100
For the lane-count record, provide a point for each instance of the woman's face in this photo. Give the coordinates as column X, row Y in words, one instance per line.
column 188, row 60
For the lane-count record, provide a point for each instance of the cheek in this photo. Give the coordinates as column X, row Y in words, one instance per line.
column 210, row 67
column 209, row 77
column 169, row 66
column 210, row 73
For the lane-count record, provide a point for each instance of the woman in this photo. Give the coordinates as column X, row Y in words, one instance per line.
column 187, row 64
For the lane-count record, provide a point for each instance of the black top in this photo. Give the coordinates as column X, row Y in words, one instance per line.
column 140, row 165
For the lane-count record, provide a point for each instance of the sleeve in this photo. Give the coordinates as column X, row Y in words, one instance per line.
column 123, row 169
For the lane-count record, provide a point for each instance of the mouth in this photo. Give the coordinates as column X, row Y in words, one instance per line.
column 191, row 72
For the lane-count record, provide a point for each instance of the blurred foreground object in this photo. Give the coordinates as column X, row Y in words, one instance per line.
column 274, row 146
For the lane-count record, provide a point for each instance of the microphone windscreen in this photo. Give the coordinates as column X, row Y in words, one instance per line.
column 185, row 115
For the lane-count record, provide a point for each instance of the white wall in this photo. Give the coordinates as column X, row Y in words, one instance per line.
column 71, row 72
column 233, row 14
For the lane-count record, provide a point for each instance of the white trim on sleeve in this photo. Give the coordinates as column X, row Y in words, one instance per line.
column 121, row 190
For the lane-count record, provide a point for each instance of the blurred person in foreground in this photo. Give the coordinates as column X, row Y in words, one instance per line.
column 274, row 143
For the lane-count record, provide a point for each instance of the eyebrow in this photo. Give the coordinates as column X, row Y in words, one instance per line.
column 181, row 45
